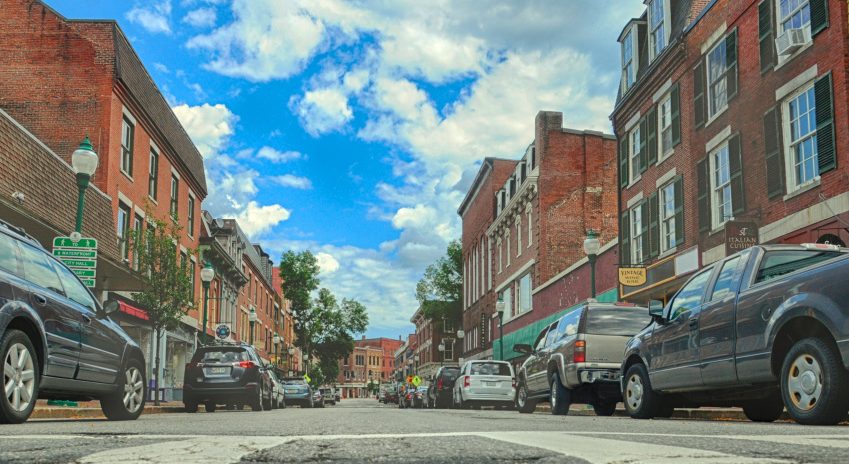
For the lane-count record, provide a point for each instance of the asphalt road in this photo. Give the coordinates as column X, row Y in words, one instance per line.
column 364, row 431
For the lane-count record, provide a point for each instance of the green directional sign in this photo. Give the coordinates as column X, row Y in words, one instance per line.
column 88, row 282
column 80, row 262
column 68, row 242
column 85, row 273
column 79, row 254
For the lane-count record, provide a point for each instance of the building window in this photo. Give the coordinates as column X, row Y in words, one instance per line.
column 123, row 226
column 664, row 123
column 667, row 217
column 518, row 235
column 637, row 234
column 657, row 28
column 506, row 296
column 500, row 256
column 191, row 215
column 489, row 263
column 138, row 224
column 127, row 131
column 524, row 295
column 509, row 257
column 794, row 14
column 629, row 68
column 801, row 129
column 717, row 88
column 530, row 228
column 153, row 174
column 192, row 273
column 175, row 191
column 634, row 152
column 720, row 181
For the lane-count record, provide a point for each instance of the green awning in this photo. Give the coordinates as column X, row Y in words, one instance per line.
column 528, row 333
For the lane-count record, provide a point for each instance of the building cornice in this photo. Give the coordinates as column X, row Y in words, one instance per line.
column 516, row 205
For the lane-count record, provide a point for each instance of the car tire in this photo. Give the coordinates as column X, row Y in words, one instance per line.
column 190, row 406
column 768, row 409
column 524, row 404
column 814, row 383
column 641, row 402
column 560, row 397
column 230, row 407
column 604, row 408
column 256, row 403
column 12, row 346
column 267, row 404
column 127, row 403
column 209, row 406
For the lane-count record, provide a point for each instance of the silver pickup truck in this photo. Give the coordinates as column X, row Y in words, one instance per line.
column 576, row 359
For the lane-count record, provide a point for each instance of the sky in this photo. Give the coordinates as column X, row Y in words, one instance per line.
column 354, row 128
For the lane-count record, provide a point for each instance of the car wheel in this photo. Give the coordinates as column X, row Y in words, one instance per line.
column 256, row 403
column 190, row 406
column 768, row 409
column 560, row 396
column 524, row 404
column 127, row 403
column 641, row 402
column 230, row 407
column 814, row 383
column 267, row 403
column 20, row 377
column 283, row 403
column 209, row 406
column 604, row 409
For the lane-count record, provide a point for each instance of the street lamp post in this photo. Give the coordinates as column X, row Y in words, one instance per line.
column 306, row 365
column 276, row 340
column 499, row 312
column 591, row 246
column 206, row 276
column 460, row 335
column 416, row 366
column 84, row 161
column 441, row 349
column 252, row 319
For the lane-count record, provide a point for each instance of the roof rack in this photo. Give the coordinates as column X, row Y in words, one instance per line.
column 21, row 232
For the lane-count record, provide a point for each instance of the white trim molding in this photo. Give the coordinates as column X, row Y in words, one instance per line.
column 574, row 266
column 811, row 215
column 512, row 277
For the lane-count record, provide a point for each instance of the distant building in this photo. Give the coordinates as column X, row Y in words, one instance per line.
column 367, row 367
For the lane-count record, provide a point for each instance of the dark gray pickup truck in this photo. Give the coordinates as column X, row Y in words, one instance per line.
column 764, row 329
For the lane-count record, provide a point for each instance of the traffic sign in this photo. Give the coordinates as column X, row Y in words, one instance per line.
column 417, row 380
column 79, row 254
column 68, row 242
column 307, row 378
column 78, row 262
column 409, row 379
column 85, row 273
column 73, row 253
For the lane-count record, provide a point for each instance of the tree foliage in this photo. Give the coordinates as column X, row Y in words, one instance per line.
column 299, row 275
column 440, row 291
column 167, row 286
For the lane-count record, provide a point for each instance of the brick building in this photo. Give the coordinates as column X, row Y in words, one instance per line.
column 405, row 358
column 370, row 364
column 286, row 325
column 729, row 117
column 63, row 79
column 430, row 335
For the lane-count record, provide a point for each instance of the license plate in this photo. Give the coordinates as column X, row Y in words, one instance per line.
column 490, row 384
column 217, row 370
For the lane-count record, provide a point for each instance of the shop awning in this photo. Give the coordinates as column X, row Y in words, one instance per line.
column 132, row 310
column 528, row 334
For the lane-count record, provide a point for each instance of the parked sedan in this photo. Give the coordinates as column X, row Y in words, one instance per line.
column 329, row 395
column 318, row 399
column 223, row 374
column 279, row 397
column 298, row 391
column 419, row 398
column 485, row 383
column 441, row 389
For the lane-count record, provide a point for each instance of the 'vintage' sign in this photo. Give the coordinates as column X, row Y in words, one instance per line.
column 632, row 276
column 740, row 236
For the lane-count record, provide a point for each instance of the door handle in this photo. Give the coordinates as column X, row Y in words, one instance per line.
column 41, row 300
column 86, row 319
column 694, row 323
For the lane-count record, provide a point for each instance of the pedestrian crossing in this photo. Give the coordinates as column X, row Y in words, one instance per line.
column 592, row 447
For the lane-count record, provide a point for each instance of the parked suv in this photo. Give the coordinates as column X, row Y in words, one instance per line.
column 56, row 341
column 485, row 383
column 577, row 358
column 298, row 391
column 440, row 390
column 226, row 374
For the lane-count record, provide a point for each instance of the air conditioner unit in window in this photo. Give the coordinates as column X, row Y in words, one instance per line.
column 790, row 41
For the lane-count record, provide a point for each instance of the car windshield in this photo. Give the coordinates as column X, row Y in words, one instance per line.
column 224, row 356
column 780, row 262
column 616, row 321
column 490, row 368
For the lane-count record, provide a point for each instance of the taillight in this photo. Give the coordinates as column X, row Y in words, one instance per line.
column 439, row 383
column 245, row 364
column 191, row 365
column 514, row 382
column 580, row 354
column 467, row 381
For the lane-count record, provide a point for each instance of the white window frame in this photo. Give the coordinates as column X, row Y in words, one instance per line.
column 509, row 248
column 630, row 36
column 518, row 235
column 634, row 152
column 720, row 80
column 489, row 263
column 522, row 292
column 127, row 158
column 667, row 217
column 123, row 228
column 500, row 246
column 529, row 212
column 653, row 27
column 637, row 242
column 792, row 181
column 717, row 191
column 781, row 20
column 664, row 123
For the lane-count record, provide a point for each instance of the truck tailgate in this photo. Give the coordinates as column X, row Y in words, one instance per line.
column 605, row 349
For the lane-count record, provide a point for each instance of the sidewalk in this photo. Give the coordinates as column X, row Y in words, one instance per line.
column 682, row 413
column 91, row 410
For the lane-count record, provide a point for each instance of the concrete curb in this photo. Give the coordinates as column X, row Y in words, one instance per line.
column 683, row 413
column 92, row 413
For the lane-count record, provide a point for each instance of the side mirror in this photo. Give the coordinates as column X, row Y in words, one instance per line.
column 110, row 307
column 656, row 309
column 523, row 348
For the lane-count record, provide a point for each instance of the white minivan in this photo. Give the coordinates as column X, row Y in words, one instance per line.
column 485, row 383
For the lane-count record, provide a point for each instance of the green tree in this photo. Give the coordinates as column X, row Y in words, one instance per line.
column 440, row 290
column 166, row 292
column 299, row 276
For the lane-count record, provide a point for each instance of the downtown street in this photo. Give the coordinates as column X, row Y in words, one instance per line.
column 363, row 430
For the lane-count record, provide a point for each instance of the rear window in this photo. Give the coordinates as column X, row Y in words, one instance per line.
column 616, row 321
column 8, row 256
column 295, row 382
column 224, row 356
column 490, row 368
column 450, row 374
column 778, row 263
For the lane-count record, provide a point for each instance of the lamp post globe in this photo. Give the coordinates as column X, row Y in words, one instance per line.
column 206, row 276
column 591, row 247
column 252, row 317
column 84, row 161
column 460, row 334
column 291, row 350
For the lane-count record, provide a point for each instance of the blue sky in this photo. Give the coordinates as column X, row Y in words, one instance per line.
column 353, row 128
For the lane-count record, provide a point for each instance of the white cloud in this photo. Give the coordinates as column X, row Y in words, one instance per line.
column 256, row 220
column 201, row 17
column 292, row 181
column 327, row 263
column 153, row 18
column 322, row 110
column 209, row 125
column 277, row 156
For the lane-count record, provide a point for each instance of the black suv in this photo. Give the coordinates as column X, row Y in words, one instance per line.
column 56, row 341
column 439, row 392
column 227, row 374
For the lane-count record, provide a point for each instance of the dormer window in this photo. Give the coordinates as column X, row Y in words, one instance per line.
column 629, row 65
column 657, row 27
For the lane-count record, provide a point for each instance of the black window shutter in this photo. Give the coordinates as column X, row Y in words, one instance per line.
column 765, row 35
column 623, row 160
column 819, row 16
column 735, row 165
column 774, row 159
column 643, row 152
column 679, row 211
column 676, row 114
column 654, row 225
column 731, row 64
column 825, row 124
column 625, row 237
column 651, row 122
column 699, row 94
column 704, row 197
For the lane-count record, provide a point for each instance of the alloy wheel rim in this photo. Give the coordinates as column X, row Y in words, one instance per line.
column 804, row 382
column 553, row 395
column 523, row 396
column 634, row 392
column 18, row 377
column 133, row 390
